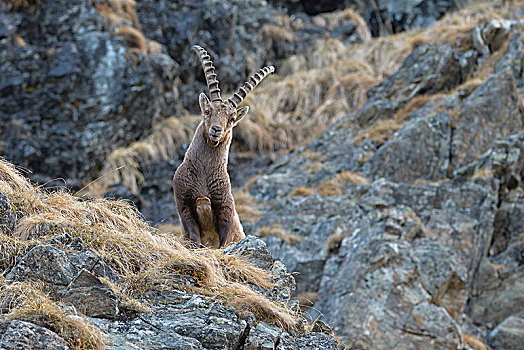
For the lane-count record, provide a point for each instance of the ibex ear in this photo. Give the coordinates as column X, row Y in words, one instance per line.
column 204, row 103
column 241, row 113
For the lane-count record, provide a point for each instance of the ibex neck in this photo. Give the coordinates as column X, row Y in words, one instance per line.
column 209, row 156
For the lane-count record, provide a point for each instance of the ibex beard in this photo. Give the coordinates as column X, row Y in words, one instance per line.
column 201, row 185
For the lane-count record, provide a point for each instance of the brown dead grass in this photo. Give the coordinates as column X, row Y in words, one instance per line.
column 27, row 301
column 117, row 12
column 335, row 185
column 125, row 164
column 379, row 132
column 246, row 207
column 302, row 191
column 278, row 231
column 133, row 38
column 116, row 232
column 475, row 343
column 326, row 84
column 333, row 242
column 414, row 104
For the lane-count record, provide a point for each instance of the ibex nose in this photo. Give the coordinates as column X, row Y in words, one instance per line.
column 216, row 130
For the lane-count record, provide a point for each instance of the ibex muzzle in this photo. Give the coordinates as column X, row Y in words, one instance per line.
column 201, row 183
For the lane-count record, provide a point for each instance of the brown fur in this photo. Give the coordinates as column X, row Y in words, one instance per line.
column 203, row 197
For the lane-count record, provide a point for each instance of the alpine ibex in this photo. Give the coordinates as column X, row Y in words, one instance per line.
column 203, row 197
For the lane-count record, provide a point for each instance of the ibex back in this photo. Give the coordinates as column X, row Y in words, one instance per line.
column 203, row 197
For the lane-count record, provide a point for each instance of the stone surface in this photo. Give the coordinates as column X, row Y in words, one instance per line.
column 508, row 335
column 90, row 296
column 263, row 337
column 24, row 335
column 56, row 268
column 71, row 93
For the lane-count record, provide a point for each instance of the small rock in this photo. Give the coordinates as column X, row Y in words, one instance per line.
column 508, row 335
column 45, row 263
column 90, row 296
column 263, row 337
column 254, row 249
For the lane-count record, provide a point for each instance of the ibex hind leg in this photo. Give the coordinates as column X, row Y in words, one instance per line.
column 206, row 220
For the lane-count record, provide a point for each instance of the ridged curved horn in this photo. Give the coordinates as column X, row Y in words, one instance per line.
column 209, row 72
column 249, row 85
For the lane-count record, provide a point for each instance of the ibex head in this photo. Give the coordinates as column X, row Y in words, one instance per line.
column 219, row 116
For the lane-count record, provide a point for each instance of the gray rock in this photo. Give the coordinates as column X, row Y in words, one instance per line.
column 45, row 263
column 442, row 275
column 508, row 335
column 312, row 340
column 493, row 306
column 379, row 279
column 70, row 96
column 7, row 215
column 24, row 335
column 427, row 70
column 446, row 135
column 90, row 296
column 263, row 337
column 56, row 268
column 254, row 250
column 180, row 321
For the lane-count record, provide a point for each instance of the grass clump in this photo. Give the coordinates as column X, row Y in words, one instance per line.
column 246, row 207
column 278, row 231
column 302, row 191
column 125, row 164
column 335, row 185
column 27, row 302
column 144, row 257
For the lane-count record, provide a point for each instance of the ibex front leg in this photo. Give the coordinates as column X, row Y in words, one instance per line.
column 225, row 212
column 189, row 224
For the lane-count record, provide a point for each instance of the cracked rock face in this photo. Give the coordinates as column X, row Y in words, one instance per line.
column 70, row 94
column 429, row 251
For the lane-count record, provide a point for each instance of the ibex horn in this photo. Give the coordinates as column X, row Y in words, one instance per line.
column 209, row 72
column 249, row 85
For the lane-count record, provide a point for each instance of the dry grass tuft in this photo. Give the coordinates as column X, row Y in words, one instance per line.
column 27, row 301
column 124, row 164
column 319, row 89
column 246, row 207
column 113, row 229
column 380, row 132
column 302, row 191
column 475, row 343
column 117, row 12
column 278, row 231
column 335, row 185
column 414, row 104
column 333, row 242
column 133, row 38
column 483, row 173
column 362, row 26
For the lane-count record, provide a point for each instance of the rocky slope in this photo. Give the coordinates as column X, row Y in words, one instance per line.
column 410, row 230
column 93, row 274
column 403, row 220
